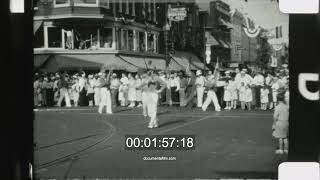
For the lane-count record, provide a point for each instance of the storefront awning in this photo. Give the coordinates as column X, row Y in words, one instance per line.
column 183, row 58
column 145, row 62
column 36, row 25
column 225, row 23
column 224, row 44
column 175, row 66
column 156, row 63
column 39, row 60
column 210, row 40
column 86, row 62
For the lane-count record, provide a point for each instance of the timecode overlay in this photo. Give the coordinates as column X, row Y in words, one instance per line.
column 160, row 142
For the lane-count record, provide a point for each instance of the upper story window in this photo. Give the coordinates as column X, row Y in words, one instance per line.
column 55, row 37
column 61, row 3
column 86, row 2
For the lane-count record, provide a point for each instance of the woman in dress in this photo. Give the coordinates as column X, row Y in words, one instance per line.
column 138, row 90
column 131, row 90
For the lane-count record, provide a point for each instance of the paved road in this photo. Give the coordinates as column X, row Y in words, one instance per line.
column 82, row 143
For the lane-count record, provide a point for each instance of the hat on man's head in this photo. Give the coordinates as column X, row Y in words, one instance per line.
column 199, row 72
column 90, row 76
column 114, row 75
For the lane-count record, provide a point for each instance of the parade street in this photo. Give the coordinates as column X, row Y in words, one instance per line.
column 81, row 143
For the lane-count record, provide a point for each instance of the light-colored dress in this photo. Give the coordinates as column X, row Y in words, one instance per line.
column 248, row 94
column 281, row 121
column 227, row 92
column 233, row 91
column 242, row 93
column 264, row 95
column 275, row 88
column 138, row 90
column 132, row 90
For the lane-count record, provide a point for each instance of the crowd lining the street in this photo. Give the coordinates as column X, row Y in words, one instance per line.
column 148, row 89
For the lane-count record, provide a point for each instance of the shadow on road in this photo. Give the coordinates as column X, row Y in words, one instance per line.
column 172, row 122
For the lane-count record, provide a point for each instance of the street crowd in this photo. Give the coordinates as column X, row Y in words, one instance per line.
column 229, row 90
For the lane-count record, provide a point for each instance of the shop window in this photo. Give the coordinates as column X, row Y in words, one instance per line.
column 85, row 2
column 125, row 39
column 150, row 42
column 106, row 38
column 54, row 37
column 141, row 41
column 118, row 38
column 39, row 38
column 61, row 2
column 130, row 40
column 86, row 38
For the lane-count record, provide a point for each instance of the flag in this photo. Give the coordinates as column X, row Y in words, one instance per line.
column 217, row 64
column 279, row 32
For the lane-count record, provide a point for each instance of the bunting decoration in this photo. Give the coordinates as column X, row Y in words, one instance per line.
column 277, row 47
column 251, row 29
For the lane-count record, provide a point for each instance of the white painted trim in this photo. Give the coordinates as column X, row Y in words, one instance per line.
column 45, row 33
column 69, row 16
column 61, row 5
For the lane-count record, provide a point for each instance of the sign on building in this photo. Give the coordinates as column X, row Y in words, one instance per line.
column 177, row 14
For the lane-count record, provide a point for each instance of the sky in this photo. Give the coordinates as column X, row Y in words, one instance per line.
column 265, row 13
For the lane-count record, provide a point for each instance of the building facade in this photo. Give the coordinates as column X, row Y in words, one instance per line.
column 217, row 28
column 244, row 48
column 107, row 29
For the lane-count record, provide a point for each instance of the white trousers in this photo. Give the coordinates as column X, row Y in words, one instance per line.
column 64, row 95
column 200, row 91
column 97, row 96
column 105, row 100
column 211, row 97
column 144, row 99
column 152, row 113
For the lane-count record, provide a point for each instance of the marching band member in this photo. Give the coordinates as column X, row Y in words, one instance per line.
column 105, row 93
column 200, row 82
column 211, row 84
column 75, row 89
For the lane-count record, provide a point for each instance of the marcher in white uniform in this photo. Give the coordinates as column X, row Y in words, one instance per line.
column 131, row 90
column 97, row 90
column 152, row 104
column 211, row 95
column 105, row 93
column 200, row 82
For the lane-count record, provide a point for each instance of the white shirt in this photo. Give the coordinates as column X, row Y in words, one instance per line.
column 200, row 81
column 258, row 80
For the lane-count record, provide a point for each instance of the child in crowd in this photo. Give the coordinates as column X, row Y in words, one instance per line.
column 248, row 96
column 281, row 124
column 227, row 95
column 242, row 95
column 75, row 89
column 264, row 96
column 275, row 87
column 234, row 93
column 152, row 98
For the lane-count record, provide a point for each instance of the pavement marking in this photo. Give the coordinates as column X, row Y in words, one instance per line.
column 183, row 125
column 186, row 115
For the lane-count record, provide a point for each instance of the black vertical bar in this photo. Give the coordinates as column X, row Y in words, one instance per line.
column 304, row 121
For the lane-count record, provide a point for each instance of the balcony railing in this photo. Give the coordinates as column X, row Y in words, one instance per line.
column 80, row 3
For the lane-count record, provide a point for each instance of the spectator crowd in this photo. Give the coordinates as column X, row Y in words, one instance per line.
column 231, row 89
